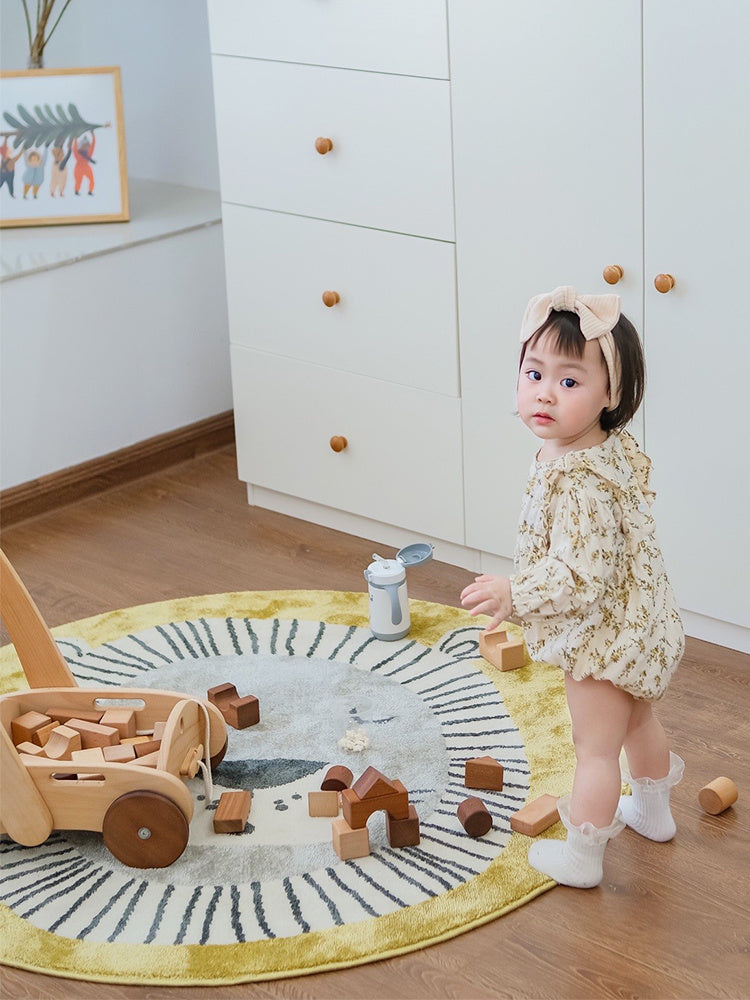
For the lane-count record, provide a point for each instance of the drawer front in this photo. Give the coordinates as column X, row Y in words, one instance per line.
column 402, row 462
column 396, row 315
column 390, row 165
column 389, row 36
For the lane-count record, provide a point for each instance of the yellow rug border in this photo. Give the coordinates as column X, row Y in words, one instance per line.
column 535, row 700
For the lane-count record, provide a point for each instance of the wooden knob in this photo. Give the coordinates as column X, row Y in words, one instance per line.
column 338, row 442
column 718, row 795
column 664, row 283
column 612, row 274
column 323, row 145
column 331, row 298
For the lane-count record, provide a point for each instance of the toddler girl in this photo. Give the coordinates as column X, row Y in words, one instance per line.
column 590, row 585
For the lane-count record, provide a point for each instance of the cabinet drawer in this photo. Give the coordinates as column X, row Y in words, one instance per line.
column 390, row 166
column 396, row 315
column 402, row 463
column 390, row 36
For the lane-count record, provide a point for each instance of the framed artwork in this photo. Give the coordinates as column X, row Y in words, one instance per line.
column 62, row 140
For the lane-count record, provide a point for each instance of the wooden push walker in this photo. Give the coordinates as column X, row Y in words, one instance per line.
column 143, row 812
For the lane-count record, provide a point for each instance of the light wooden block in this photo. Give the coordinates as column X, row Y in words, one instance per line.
column 63, row 714
column 89, row 755
column 146, row 747
column 135, row 740
column 159, row 728
column 323, row 803
column 349, row 843
column 485, row 773
column 718, row 795
column 93, row 734
column 148, row 760
column 123, row 753
column 502, row 650
column 536, row 816
column 62, row 742
column 232, row 811
column 121, row 719
column 23, row 727
column 30, row 748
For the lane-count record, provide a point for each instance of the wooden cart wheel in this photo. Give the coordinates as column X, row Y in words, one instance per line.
column 219, row 757
column 145, row 830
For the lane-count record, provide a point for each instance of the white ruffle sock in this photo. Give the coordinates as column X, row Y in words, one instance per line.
column 576, row 861
column 647, row 809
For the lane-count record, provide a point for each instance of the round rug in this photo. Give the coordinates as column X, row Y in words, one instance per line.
column 275, row 900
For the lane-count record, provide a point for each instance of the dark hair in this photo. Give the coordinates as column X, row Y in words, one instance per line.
column 568, row 339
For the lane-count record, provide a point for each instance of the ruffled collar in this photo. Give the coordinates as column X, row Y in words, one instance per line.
column 617, row 460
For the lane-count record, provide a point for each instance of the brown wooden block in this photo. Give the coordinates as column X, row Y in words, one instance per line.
column 30, row 748
column 232, row 811
column 536, row 816
column 122, row 719
column 147, row 760
column 357, row 811
column 221, row 695
column 349, row 843
column 147, row 747
column 123, row 753
column 484, row 772
column 403, row 832
column 323, row 803
column 502, row 650
column 24, row 726
column 42, row 735
column 474, row 817
column 93, row 734
column 718, row 795
column 63, row 714
column 62, row 742
column 372, row 784
column 337, row 779
column 243, row 712
column 89, row 755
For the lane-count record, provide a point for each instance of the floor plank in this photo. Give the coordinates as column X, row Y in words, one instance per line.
column 669, row 920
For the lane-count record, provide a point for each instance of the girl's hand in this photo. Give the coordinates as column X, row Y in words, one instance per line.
column 489, row 595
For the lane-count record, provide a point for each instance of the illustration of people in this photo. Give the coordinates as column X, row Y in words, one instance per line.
column 33, row 175
column 59, row 171
column 83, row 154
column 8, row 167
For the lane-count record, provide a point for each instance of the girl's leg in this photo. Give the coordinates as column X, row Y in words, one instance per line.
column 653, row 772
column 646, row 744
column 601, row 714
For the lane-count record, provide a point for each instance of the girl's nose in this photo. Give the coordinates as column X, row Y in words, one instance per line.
column 543, row 393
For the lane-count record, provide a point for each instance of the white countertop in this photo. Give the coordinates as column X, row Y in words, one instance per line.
column 157, row 211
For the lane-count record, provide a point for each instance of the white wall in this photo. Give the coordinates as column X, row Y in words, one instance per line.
column 162, row 47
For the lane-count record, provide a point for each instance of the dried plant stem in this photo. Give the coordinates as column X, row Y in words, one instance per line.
column 40, row 39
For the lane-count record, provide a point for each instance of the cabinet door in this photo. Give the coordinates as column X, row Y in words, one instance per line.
column 697, row 210
column 547, row 158
column 390, row 165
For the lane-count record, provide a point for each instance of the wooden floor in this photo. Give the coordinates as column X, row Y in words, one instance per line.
column 669, row 920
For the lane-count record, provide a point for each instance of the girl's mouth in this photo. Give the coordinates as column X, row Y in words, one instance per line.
column 543, row 418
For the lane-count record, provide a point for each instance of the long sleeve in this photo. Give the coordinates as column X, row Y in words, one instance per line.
column 574, row 572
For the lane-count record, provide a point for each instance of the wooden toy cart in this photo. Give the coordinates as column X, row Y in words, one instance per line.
column 142, row 812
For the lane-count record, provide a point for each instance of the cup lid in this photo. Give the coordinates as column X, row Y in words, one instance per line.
column 416, row 553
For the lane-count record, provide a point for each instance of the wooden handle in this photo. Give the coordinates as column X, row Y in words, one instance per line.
column 338, row 442
column 664, row 283
column 323, row 145
column 331, row 298
column 612, row 274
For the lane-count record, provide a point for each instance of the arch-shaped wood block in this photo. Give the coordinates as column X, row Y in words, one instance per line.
column 337, row 779
column 370, row 793
column 62, row 742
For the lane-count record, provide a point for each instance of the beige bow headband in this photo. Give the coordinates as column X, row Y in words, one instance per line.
column 598, row 315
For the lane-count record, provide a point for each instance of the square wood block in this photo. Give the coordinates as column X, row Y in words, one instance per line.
column 349, row 843
column 536, row 816
column 232, row 811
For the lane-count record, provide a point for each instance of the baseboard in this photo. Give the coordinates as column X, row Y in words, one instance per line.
column 17, row 503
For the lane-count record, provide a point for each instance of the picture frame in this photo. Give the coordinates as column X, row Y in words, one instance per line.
column 62, row 147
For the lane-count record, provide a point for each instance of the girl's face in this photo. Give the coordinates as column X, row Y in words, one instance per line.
column 560, row 398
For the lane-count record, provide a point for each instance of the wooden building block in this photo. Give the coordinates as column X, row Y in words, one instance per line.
column 323, row 803
column 502, row 650
column 147, row 760
column 337, row 779
column 403, row 832
column 89, row 755
column 372, row 784
column 135, row 740
column 536, row 816
column 159, row 728
column 718, row 795
column 62, row 742
column 63, row 714
column 147, row 746
column 30, row 748
column 123, row 753
column 243, row 712
column 232, row 811
column 474, row 817
column 42, row 735
column 221, row 695
column 122, row 719
column 23, row 727
column 349, row 843
column 357, row 811
column 93, row 734
column 484, row 772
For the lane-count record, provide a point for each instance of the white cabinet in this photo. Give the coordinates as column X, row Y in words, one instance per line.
column 550, row 171
column 369, row 218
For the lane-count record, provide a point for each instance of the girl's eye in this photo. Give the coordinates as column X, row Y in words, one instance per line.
column 534, row 376
column 569, row 383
